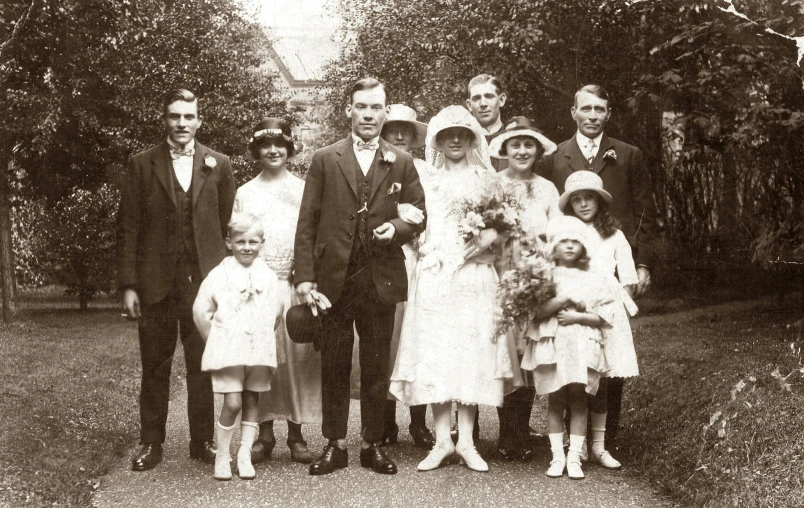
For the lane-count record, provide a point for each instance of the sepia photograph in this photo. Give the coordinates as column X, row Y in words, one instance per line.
column 402, row 253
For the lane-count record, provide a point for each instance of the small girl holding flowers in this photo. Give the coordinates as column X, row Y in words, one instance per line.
column 565, row 349
column 235, row 311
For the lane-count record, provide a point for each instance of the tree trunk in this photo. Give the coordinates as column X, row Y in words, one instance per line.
column 7, row 282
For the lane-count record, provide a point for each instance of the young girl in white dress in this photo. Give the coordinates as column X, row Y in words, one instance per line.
column 565, row 347
column 447, row 349
column 235, row 312
column 584, row 197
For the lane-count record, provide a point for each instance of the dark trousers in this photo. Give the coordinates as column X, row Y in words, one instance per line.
column 158, row 331
column 359, row 306
column 614, row 403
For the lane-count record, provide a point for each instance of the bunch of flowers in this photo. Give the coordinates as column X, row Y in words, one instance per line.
column 496, row 207
column 522, row 290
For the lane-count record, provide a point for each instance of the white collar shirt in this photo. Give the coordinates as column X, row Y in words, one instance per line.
column 583, row 143
column 365, row 156
column 183, row 166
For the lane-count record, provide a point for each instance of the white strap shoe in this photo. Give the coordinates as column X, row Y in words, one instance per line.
column 436, row 457
column 606, row 460
column 471, row 458
column 223, row 468
column 574, row 470
column 556, row 469
column 245, row 469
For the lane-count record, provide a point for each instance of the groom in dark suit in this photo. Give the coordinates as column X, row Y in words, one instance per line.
column 349, row 247
column 175, row 205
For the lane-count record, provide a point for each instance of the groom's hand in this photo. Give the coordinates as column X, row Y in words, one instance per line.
column 385, row 233
column 131, row 304
column 303, row 290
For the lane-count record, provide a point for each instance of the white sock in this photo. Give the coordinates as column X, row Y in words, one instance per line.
column 598, row 432
column 248, row 433
column 224, row 436
column 576, row 444
column 557, row 444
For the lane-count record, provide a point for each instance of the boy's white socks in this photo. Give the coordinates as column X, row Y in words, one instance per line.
column 223, row 468
column 248, row 433
column 576, row 444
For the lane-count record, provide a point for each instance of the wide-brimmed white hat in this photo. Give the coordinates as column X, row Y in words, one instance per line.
column 582, row 180
column 567, row 227
column 402, row 113
column 454, row 116
column 519, row 126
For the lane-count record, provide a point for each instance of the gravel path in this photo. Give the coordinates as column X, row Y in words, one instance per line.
column 181, row 482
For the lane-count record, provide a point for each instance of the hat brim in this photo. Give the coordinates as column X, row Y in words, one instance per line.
column 475, row 133
column 421, row 131
column 498, row 142
column 563, row 200
column 303, row 327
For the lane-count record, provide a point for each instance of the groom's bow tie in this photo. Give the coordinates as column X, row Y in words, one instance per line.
column 362, row 145
column 176, row 153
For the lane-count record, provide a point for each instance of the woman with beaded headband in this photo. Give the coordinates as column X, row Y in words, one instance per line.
column 447, row 352
column 274, row 196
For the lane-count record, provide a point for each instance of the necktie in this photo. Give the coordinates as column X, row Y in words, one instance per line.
column 362, row 145
column 175, row 154
column 590, row 152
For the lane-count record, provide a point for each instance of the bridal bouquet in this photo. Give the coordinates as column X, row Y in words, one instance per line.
column 522, row 290
column 494, row 208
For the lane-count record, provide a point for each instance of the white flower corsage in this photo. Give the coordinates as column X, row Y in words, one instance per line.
column 610, row 155
column 389, row 157
column 210, row 162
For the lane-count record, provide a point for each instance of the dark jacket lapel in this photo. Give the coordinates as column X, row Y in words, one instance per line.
column 605, row 145
column 200, row 170
column 575, row 158
column 381, row 169
column 347, row 162
column 162, row 166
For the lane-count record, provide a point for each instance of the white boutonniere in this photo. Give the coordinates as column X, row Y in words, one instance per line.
column 389, row 157
column 395, row 187
column 610, row 155
column 210, row 162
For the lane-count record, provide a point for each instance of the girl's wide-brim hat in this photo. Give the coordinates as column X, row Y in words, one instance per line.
column 567, row 227
column 405, row 114
column 582, row 180
column 454, row 116
column 519, row 126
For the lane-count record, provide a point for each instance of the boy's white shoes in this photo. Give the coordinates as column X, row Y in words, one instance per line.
column 245, row 469
column 223, row 468
column 605, row 459
column 556, row 469
column 574, row 471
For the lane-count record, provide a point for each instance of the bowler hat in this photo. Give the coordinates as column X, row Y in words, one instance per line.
column 303, row 326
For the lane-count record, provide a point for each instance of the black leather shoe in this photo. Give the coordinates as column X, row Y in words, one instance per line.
column 262, row 449
column 150, row 455
column 374, row 457
column 524, row 455
column 203, row 451
column 333, row 458
column 391, row 435
column 422, row 437
column 507, row 454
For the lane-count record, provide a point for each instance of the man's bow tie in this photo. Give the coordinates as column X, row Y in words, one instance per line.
column 362, row 145
column 175, row 154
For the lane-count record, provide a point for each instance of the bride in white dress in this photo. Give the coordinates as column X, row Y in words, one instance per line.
column 447, row 349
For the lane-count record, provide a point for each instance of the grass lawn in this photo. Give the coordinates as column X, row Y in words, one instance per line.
column 69, row 404
column 717, row 416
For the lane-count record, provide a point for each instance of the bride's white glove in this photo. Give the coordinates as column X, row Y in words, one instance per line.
column 410, row 213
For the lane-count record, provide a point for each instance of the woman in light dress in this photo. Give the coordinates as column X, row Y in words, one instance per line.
column 447, row 349
column 523, row 145
column 274, row 196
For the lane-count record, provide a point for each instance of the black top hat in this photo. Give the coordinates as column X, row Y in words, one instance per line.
column 303, row 326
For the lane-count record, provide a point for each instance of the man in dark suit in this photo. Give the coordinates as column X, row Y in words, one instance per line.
column 176, row 202
column 622, row 168
column 348, row 247
column 486, row 96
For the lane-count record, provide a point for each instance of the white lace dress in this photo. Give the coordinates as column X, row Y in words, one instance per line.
column 447, row 351
column 296, row 387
